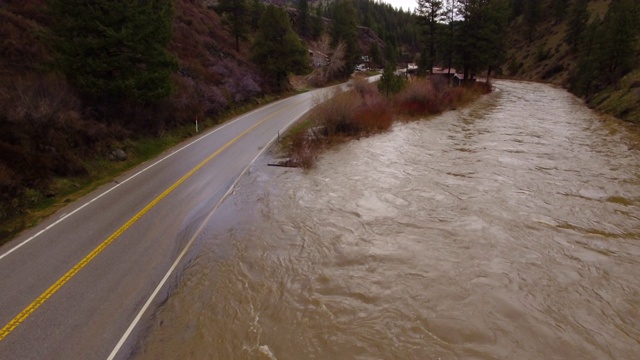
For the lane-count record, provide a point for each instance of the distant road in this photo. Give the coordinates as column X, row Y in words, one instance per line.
column 74, row 286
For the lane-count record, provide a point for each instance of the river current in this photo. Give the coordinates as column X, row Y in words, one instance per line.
column 509, row 229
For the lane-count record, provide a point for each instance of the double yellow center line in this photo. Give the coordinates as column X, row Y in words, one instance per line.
column 7, row 329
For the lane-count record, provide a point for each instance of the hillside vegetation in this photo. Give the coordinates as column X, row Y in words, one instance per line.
column 60, row 126
column 590, row 47
column 90, row 89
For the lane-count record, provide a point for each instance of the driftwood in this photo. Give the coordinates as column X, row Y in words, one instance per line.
column 284, row 163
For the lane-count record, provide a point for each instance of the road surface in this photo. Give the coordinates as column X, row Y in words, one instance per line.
column 75, row 286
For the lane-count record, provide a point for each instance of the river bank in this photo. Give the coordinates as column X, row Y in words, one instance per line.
column 364, row 111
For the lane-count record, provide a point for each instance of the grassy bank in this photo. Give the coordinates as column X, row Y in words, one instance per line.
column 363, row 111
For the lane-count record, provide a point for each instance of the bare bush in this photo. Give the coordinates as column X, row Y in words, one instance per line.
column 373, row 118
column 243, row 88
column 196, row 98
column 363, row 87
column 240, row 84
column 303, row 150
column 38, row 100
column 418, row 98
column 214, row 100
column 335, row 62
column 335, row 114
column 420, row 90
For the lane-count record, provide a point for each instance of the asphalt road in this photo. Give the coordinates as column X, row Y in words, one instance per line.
column 74, row 286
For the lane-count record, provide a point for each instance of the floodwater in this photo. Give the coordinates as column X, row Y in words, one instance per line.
column 509, row 229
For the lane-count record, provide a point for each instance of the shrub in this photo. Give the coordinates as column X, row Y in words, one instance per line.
column 240, row 84
column 303, row 149
column 335, row 114
column 196, row 98
column 419, row 98
column 213, row 100
column 362, row 86
column 36, row 101
column 373, row 118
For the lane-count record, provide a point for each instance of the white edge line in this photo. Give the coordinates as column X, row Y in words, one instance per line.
column 25, row 242
column 135, row 321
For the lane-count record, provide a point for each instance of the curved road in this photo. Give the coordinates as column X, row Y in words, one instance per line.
column 75, row 286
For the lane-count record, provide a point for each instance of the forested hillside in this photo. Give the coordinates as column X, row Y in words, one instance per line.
column 88, row 89
column 591, row 47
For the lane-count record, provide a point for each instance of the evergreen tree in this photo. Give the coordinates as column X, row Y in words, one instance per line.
column 559, row 9
column 303, row 17
column 317, row 24
column 498, row 22
column 115, row 49
column 235, row 13
column 621, row 28
column 532, row 16
column 517, row 8
column 429, row 13
column 256, row 9
column 277, row 49
column 482, row 32
column 345, row 28
column 588, row 64
column 577, row 23
column 390, row 52
column 376, row 56
column 450, row 10
column 390, row 83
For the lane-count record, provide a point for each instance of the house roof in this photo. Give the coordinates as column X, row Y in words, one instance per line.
column 437, row 70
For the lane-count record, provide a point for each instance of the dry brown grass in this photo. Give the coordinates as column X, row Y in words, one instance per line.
column 418, row 98
column 425, row 97
column 335, row 114
column 358, row 112
column 363, row 111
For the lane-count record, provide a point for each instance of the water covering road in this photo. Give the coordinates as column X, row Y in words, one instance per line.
column 509, row 229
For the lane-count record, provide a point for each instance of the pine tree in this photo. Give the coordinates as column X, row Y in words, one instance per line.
column 256, row 8
column 236, row 15
column 317, row 24
column 559, row 9
column 621, row 27
column 390, row 52
column 482, row 32
column 588, row 65
column 577, row 23
column 606, row 50
column 115, row 49
column 277, row 49
column 429, row 13
column 390, row 83
column 303, row 17
column 532, row 16
column 376, row 56
column 345, row 28
column 450, row 11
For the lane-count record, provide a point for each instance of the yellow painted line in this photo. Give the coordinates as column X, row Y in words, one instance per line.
column 7, row 329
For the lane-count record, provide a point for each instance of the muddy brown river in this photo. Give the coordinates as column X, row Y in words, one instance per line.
column 509, row 229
